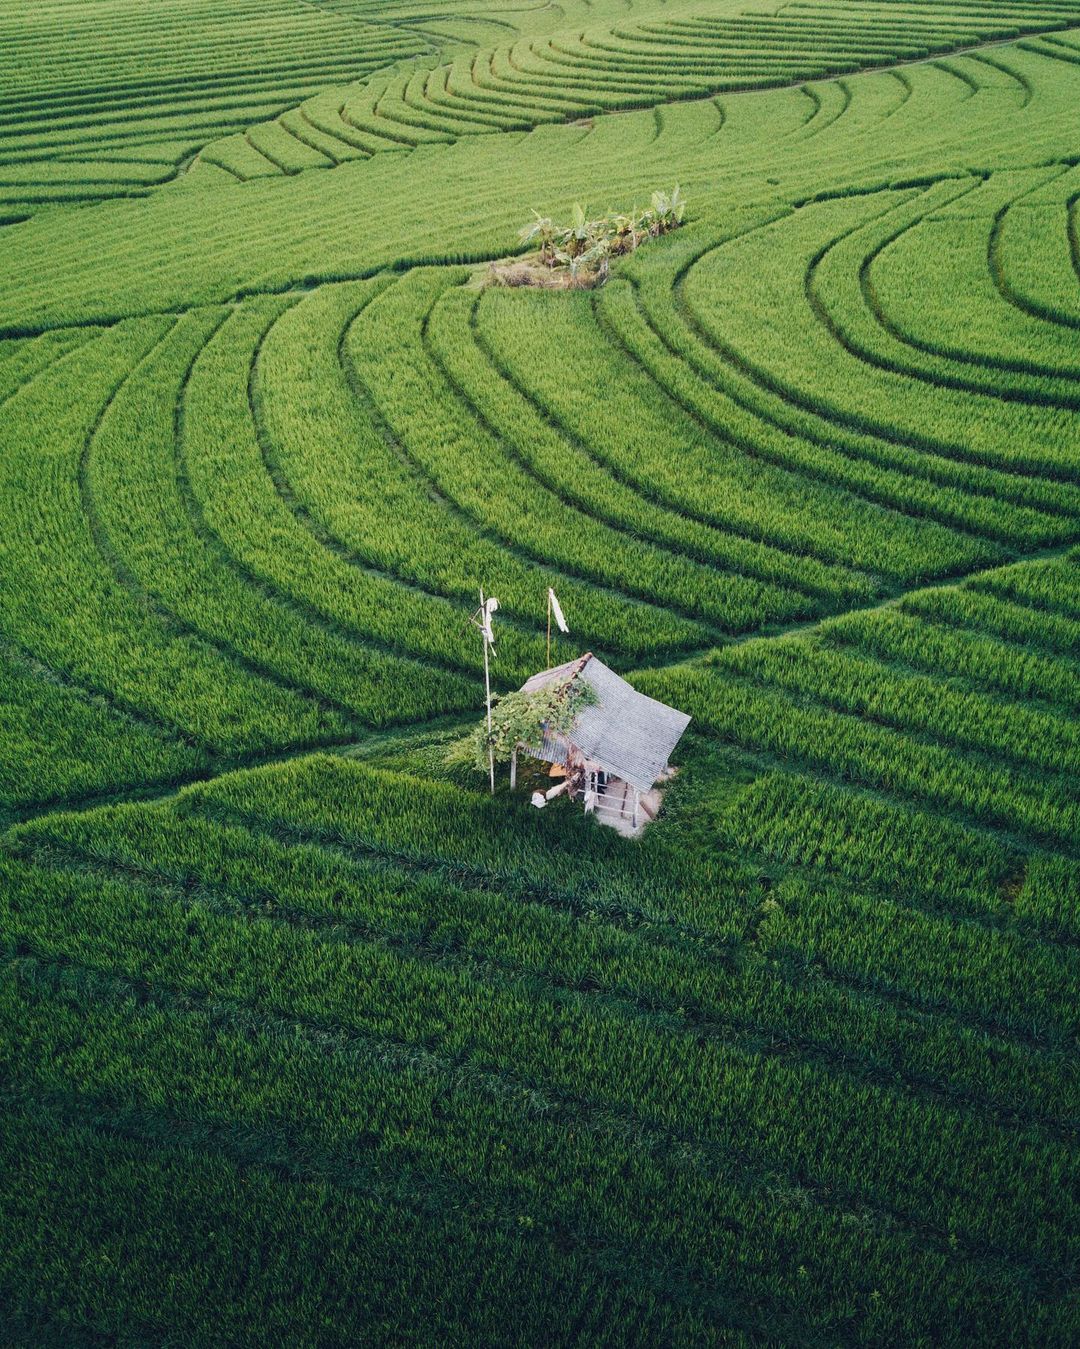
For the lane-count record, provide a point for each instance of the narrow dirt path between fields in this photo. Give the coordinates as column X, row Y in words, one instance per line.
column 872, row 606
column 446, row 724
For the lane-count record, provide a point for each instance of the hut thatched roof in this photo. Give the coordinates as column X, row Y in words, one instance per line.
column 626, row 732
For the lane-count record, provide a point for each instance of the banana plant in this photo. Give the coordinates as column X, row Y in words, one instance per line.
column 677, row 203
column 540, row 232
column 627, row 230
column 597, row 256
column 668, row 210
column 585, row 246
column 574, row 238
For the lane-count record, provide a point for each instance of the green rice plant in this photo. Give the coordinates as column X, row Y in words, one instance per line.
column 338, row 1049
column 962, row 314
column 133, row 73
column 172, row 252
column 804, row 822
column 1031, row 254
column 473, row 84
column 578, row 480
column 332, row 457
column 807, row 364
column 137, row 471
column 846, row 748
column 845, row 284
column 993, row 977
column 237, row 501
column 485, row 115
column 56, row 742
column 970, row 607
column 229, row 1180
column 363, row 112
column 505, row 499
column 965, row 717
column 237, row 156
column 602, row 1056
column 323, row 116
column 706, row 476
column 164, row 1190
column 439, row 822
column 284, row 149
column 766, row 427
column 1052, row 587
column 61, row 600
column 331, row 150
column 1050, row 894
column 426, row 93
column 940, row 648
column 516, row 87
column 572, row 937
column 28, row 359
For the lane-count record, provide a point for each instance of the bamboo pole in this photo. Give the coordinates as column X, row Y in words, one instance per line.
column 487, row 698
column 549, row 628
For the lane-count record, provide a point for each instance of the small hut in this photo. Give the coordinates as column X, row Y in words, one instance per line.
column 615, row 752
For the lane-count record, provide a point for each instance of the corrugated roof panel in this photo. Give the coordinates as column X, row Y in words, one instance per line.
column 558, row 674
column 626, row 732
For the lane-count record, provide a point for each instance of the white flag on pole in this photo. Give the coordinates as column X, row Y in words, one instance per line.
column 485, row 620
column 556, row 609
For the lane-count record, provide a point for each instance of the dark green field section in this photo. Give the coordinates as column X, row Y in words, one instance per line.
column 776, row 1082
column 304, row 1038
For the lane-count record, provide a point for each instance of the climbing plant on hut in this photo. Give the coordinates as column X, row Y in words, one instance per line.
column 521, row 719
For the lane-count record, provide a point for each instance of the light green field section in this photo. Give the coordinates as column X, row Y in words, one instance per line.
column 465, row 200
column 86, row 82
column 280, row 88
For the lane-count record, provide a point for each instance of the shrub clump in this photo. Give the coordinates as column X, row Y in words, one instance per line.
column 578, row 255
column 521, row 719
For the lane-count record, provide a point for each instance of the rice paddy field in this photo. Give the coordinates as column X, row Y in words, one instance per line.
column 304, row 1038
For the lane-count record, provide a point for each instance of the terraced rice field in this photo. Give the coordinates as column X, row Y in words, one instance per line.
column 304, row 1037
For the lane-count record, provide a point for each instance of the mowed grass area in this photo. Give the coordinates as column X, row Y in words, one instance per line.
column 304, row 1037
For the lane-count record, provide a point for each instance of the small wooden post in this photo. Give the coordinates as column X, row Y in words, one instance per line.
column 513, row 768
column 549, row 629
